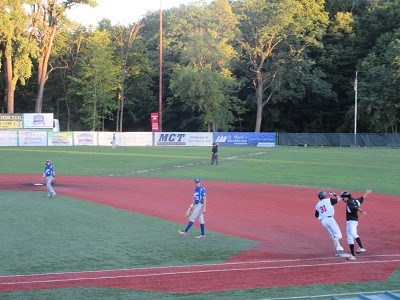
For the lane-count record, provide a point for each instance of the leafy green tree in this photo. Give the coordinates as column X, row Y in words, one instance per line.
column 274, row 32
column 16, row 49
column 373, row 24
column 97, row 80
column 66, row 104
column 46, row 18
column 380, row 97
column 125, row 37
column 203, row 82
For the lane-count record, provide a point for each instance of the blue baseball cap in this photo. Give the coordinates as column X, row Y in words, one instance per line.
column 197, row 180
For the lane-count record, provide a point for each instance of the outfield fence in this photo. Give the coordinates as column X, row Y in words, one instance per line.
column 339, row 139
column 262, row 139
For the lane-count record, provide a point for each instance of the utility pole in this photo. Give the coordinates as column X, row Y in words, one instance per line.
column 160, row 91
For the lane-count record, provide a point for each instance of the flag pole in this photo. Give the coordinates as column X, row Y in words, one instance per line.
column 355, row 109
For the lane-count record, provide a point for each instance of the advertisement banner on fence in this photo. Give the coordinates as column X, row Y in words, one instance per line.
column 106, row 138
column 85, row 138
column 32, row 138
column 60, row 139
column 11, row 121
column 8, row 138
column 134, row 139
column 261, row 139
column 38, row 121
column 183, row 138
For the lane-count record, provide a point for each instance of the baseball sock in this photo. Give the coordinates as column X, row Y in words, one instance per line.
column 358, row 240
column 202, row 229
column 188, row 226
column 352, row 249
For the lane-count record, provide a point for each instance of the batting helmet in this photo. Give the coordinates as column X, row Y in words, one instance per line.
column 197, row 180
column 321, row 194
column 345, row 194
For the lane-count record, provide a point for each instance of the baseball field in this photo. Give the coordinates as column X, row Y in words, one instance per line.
column 111, row 230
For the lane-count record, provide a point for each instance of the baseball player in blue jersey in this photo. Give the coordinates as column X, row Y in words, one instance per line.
column 352, row 209
column 50, row 174
column 325, row 212
column 198, row 208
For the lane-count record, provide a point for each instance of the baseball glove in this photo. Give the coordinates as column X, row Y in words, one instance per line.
column 53, row 182
column 188, row 213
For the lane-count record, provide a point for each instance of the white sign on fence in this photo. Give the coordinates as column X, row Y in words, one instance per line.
column 38, row 121
column 8, row 138
column 32, row 138
column 183, row 138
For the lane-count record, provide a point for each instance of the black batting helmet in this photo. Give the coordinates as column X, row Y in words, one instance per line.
column 345, row 194
column 321, row 195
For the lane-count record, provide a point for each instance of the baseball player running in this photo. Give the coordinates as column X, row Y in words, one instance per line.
column 352, row 209
column 50, row 174
column 325, row 212
column 198, row 209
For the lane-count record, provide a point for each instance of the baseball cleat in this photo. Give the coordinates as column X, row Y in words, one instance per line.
column 360, row 250
column 181, row 232
column 339, row 253
column 200, row 237
column 351, row 257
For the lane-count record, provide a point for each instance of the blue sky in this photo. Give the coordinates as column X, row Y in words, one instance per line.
column 120, row 11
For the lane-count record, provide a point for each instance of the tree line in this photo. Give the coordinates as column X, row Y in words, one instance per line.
column 246, row 65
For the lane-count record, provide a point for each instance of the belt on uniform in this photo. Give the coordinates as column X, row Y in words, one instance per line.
column 329, row 217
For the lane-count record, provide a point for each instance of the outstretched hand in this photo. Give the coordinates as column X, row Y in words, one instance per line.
column 367, row 192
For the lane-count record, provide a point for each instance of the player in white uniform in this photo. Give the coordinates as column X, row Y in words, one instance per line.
column 114, row 141
column 325, row 212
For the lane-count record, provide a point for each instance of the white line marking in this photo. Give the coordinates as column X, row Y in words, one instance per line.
column 194, row 272
column 196, row 265
column 333, row 295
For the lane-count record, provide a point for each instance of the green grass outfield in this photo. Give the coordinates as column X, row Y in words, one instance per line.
column 352, row 169
column 39, row 235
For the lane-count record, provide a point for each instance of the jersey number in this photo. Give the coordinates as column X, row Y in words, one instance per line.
column 322, row 209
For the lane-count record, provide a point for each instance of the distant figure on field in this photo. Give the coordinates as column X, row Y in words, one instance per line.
column 114, row 141
column 214, row 153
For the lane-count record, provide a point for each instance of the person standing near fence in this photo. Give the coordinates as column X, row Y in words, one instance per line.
column 214, row 153
column 114, row 141
column 50, row 174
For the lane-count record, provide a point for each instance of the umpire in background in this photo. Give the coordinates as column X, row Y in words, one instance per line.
column 214, row 153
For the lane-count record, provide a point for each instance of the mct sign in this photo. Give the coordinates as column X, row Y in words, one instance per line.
column 170, row 139
column 183, row 138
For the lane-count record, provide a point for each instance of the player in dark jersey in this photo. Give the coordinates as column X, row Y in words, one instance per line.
column 214, row 153
column 352, row 209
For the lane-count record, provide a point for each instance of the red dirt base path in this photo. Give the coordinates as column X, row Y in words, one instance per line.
column 294, row 248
